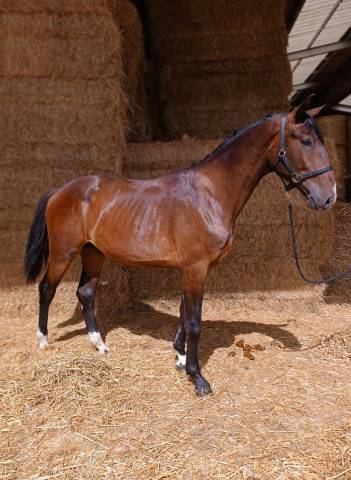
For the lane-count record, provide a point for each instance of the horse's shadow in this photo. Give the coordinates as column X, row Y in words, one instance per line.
column 162, row 326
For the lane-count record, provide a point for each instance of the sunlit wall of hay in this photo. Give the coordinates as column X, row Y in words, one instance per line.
column 63, row 111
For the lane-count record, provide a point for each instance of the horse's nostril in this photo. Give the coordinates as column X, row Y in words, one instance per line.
column 329, row 202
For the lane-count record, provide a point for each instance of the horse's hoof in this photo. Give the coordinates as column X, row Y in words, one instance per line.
column 98, row 343
column 181, row 362
column 180, row 367
column 103, row 350
column 42, row 340
column 203, row 388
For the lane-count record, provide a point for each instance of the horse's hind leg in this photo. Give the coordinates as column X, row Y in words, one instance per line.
column 179, row 340
column 92, row 262
column 47, row 290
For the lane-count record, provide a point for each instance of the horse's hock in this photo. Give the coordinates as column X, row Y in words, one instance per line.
column 77, row 84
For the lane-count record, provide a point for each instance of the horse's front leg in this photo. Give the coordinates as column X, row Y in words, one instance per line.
column 194, row 279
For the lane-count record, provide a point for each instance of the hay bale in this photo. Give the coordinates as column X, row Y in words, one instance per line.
column 153, row 159
column 63, row 110
column 334, row 131
column 340, row 291
column 133, row 56
column 348, row 142
column 338, row 159
column 259, row 260
column 209, row 62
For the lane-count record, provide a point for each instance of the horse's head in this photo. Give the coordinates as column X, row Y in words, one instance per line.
column 303, row 160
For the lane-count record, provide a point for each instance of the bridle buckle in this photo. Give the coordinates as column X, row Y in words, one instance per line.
column 297, row 179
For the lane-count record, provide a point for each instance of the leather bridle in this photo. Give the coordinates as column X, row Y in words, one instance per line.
column 296, row 179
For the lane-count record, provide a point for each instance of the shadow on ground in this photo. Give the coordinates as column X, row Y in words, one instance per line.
column 162, row 326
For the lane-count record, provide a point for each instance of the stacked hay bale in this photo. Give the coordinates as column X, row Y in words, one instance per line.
column 135, row 68
column 63, row 112
column 340, row 291
column 260, row 260
column 334, row 131
column 336, row 135
column 221, row 64
column 348, row 142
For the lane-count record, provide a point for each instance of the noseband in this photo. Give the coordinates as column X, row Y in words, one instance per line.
column 295, row 179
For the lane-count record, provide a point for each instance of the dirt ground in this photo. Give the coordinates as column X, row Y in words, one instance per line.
column 70, row 413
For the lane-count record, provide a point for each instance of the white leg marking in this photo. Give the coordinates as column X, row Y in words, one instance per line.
column 96, row 340
column 181, row 360
column 42, row 340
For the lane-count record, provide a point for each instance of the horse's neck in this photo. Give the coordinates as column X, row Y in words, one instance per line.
column 235, row 172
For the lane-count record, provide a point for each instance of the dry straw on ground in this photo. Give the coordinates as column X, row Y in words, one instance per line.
column 63, row 111
column 216, row 74
column 69, row 413
column 260, row 259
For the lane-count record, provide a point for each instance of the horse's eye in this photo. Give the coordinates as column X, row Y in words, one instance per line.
column 306, row 141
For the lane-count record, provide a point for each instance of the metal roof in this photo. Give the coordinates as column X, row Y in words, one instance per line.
column 319, row 50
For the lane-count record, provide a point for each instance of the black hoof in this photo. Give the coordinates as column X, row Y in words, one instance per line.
column 180, row 367
column 202, row 388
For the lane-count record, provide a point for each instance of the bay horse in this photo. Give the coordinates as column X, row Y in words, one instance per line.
column 183, row 219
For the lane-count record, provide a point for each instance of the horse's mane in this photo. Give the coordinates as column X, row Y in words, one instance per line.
column 312, row 124
column 234, row 136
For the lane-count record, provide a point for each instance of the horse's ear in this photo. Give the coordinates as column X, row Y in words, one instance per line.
column 299, row 112
column 315, row 111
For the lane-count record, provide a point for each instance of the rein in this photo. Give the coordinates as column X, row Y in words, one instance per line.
column 294, row 181
column 328, row 280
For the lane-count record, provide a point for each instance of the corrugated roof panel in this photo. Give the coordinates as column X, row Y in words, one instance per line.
column 311, row 18
column 346, row 101
column 320, row 22
column 338, row 24
column 306, row 67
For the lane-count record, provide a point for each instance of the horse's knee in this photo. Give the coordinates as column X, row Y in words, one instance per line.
column 85, row 296
column 193, row 328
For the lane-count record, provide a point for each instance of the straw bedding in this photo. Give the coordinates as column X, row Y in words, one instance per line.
column 63, row 110
column 260, row 260
column 209, row 62
column 69, row 413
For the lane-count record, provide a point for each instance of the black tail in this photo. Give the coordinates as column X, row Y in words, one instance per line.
column 37, row 250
